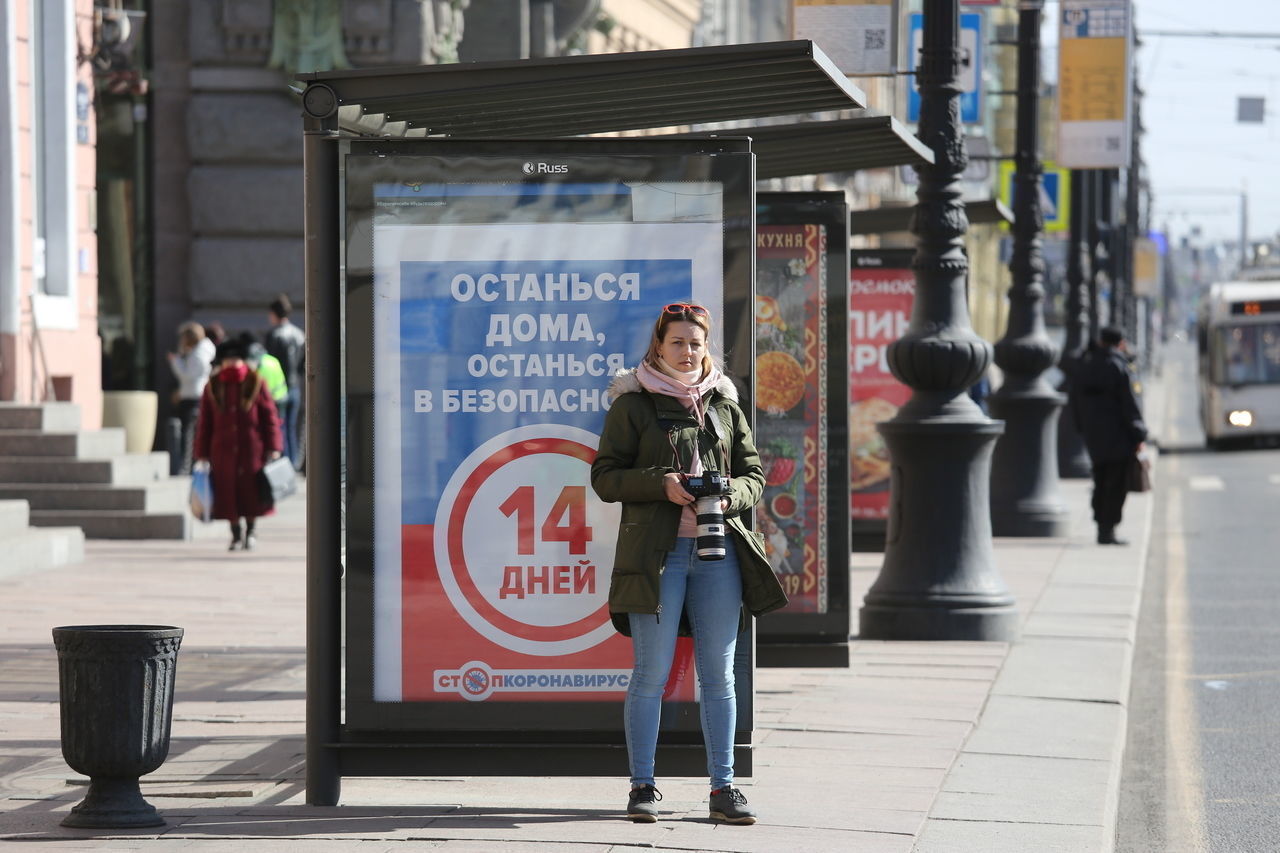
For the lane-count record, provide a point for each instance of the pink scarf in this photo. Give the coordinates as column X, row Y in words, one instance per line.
column 656, row 381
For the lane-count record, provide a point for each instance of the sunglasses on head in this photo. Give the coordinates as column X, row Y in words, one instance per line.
column 684, row 307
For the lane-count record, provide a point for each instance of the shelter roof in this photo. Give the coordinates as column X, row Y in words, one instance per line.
column 593, row 93
column 879, row 220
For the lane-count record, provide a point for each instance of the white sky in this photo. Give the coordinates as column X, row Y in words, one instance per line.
column 1193, row 141
column 1199, row 158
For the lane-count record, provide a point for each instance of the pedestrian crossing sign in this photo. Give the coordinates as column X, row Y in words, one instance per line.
column 1055, row 194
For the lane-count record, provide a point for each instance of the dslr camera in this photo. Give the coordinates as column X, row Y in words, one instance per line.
column 708, row 489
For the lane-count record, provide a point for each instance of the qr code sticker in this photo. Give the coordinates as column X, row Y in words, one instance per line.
column 874, row 39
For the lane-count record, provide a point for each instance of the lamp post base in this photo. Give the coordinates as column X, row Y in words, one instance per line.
column 1040, row 522
column 939, row 581
column 1073, row 459
column 1024, row 467
column 922, row 622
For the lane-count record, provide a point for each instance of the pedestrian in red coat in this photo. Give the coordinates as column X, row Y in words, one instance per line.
column 238, row 432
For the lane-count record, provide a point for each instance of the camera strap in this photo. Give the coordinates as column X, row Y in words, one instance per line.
column 670, row 427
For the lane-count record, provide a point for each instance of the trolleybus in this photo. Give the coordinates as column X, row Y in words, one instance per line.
column 1238, row 337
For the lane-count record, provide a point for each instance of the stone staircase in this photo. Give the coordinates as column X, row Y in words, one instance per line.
column 29, row 549
column 85, row 479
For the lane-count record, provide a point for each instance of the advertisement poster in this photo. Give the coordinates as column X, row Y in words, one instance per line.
column 493, row 350
column 882, row 289
column 791, row 403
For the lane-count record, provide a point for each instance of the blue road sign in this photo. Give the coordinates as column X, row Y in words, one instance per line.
column 970, row 69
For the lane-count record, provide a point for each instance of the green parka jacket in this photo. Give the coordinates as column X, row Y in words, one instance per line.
column 635, row 454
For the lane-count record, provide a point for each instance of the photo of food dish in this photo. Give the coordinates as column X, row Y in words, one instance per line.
column 769, row 313
column 780, row 382
column 868, row 454
column 777, row 548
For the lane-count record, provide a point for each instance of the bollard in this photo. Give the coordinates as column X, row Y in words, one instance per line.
column 115, row 688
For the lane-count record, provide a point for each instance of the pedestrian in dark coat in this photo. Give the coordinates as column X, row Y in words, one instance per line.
column 1104, row 401
column 238, row 432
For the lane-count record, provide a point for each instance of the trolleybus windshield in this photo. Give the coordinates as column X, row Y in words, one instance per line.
column 1247, row 354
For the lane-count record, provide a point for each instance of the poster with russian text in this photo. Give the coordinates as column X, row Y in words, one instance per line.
column 791, row 408
column 496, row 332
column 882, row 289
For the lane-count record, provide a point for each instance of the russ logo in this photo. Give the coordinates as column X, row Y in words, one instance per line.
column 544, row 168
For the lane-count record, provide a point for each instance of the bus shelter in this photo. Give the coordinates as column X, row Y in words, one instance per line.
column 447, row 150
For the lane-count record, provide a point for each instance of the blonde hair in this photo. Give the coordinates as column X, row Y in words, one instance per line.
column 666, row 318
column 190, row 334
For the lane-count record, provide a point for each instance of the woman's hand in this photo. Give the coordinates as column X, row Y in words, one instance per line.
column 675, row 490
column 275, row 454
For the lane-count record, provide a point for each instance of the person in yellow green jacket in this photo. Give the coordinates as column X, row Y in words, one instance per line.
column 268, row 367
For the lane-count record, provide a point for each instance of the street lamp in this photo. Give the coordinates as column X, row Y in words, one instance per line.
column 1073, row 458
column 938, row 580
column 1025, row 499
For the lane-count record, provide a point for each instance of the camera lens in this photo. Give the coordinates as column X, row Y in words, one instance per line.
column 711, row 542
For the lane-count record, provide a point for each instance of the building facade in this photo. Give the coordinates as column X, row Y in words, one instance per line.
column 49, row 343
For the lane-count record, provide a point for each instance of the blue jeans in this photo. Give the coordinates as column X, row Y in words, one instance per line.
column 710, row 592
column 288, row 407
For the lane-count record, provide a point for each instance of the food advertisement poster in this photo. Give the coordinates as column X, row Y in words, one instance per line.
column 882, row 290
column 494, row 346
column 791, row 402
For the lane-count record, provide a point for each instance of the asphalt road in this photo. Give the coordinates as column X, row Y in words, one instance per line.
column 1202, row 765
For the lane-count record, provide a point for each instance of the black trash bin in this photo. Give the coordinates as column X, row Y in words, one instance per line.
column 115, row 686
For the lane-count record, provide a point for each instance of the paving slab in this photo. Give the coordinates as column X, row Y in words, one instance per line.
column 968, row 836
column 1024, row 789
column 1049, row 728
column 1088, row 670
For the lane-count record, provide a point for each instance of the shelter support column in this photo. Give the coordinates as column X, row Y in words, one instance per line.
column 323, row 365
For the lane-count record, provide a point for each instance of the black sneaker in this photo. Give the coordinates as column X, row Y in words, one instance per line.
column 642, row 804
column 730, row 806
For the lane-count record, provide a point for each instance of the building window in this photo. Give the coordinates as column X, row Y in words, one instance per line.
column 53, row 147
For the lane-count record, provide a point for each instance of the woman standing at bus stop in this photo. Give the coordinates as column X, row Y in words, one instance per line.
column 673, row 426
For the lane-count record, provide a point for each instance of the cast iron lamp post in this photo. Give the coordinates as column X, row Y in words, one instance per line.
column 1073, row 459
column 1025, row 498
column 938, row 581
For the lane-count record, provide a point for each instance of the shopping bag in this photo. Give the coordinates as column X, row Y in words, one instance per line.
column 1139, row 474
column 201, row 492
column 276, row 481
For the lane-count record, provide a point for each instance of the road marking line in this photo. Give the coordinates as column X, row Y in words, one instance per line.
column 1185, row 783
column 1206, row 483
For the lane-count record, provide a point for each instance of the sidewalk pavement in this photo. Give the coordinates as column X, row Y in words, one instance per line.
column 942, row 747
